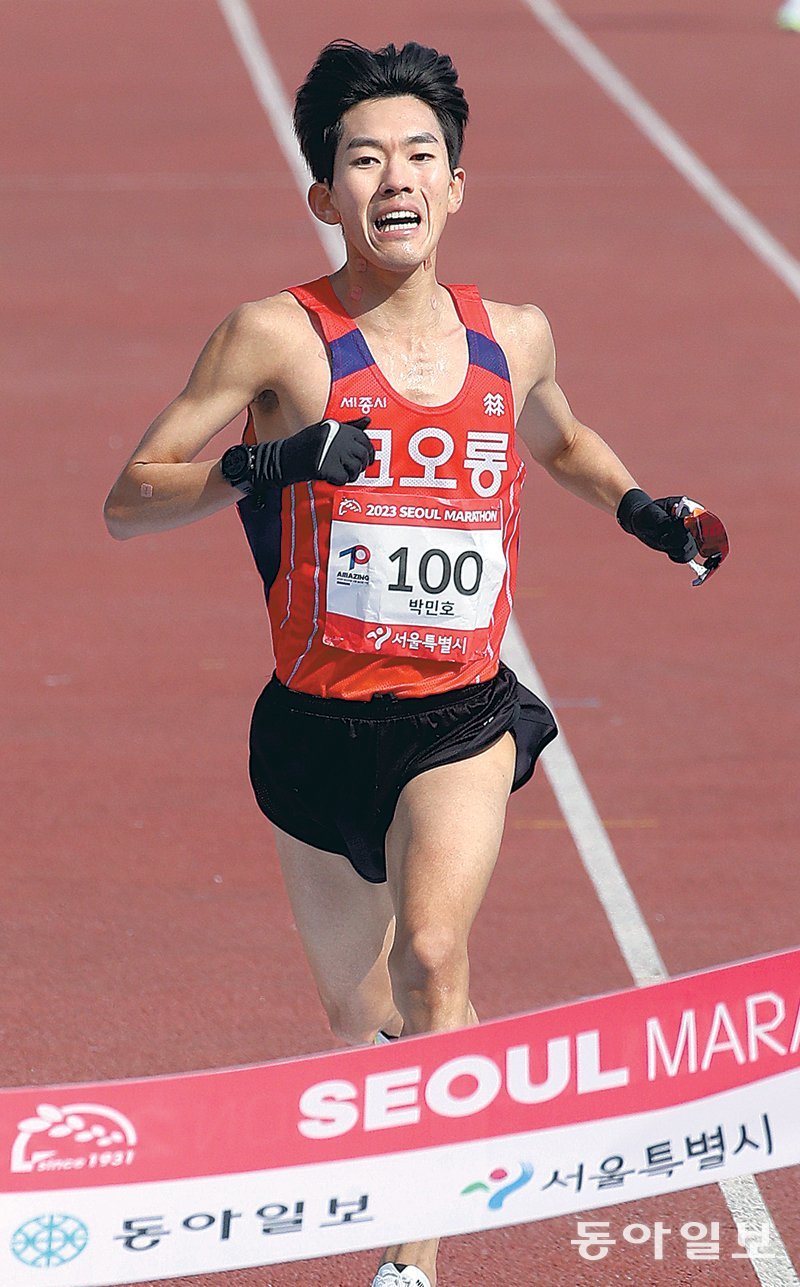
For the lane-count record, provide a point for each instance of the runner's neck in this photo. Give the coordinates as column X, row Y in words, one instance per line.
column 417, row 306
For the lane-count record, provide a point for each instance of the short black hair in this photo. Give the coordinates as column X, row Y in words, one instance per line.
column 346, row 74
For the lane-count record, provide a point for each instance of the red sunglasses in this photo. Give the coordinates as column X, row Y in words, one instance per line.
column 709, row 535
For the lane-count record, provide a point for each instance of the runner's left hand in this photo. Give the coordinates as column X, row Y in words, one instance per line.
column 656, row 524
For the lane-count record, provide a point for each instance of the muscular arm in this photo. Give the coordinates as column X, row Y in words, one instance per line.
column 574, row 455
column 162, row 486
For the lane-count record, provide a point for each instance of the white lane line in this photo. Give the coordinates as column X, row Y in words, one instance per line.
column 271, row 95
column 636, row 943
column 742, row 1195
column 669, row 143
column 750, row 1212
column 625, row 918
column 590, row 836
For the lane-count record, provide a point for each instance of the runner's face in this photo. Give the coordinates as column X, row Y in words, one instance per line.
column 392, row 158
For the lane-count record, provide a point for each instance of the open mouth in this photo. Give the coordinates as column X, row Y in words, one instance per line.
column 397, row 219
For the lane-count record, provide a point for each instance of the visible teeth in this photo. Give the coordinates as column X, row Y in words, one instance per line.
column 397, row 218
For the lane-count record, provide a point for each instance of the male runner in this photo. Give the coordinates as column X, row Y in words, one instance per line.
column 378, row 483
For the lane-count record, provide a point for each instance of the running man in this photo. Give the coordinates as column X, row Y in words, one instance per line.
column 379, row 485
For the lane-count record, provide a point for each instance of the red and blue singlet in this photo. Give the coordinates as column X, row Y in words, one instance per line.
column 403, row 581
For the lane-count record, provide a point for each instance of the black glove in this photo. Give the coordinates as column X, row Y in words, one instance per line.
column 653, row 523
column 330, row 452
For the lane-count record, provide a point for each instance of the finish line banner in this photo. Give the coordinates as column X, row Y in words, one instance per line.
column 623, row 1097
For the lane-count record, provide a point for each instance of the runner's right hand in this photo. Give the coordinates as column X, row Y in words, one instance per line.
column 332, row 452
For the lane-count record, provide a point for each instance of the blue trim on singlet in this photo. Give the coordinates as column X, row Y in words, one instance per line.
column 263, row 531
column 486, row 352
column 349, row 353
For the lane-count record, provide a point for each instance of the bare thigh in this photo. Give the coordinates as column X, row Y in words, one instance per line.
column 444, row 840
column 346, row 925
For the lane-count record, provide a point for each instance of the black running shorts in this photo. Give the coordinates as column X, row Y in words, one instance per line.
column 330, row 771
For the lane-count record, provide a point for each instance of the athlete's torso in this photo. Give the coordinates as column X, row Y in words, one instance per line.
column 402, row 582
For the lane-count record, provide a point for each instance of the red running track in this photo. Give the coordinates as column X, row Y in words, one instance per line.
column 144, row 196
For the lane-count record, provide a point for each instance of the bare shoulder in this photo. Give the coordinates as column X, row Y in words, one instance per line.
column 255, row 345
column 523, row 332
column 277, row 320
column 273, row 310
column 520, row 326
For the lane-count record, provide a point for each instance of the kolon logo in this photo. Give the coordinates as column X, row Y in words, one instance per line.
column 359, row 555
column 349, row 505
column 73, row 1138
column 494, row 405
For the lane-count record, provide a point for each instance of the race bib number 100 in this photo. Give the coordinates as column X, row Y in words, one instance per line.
column 413, row 575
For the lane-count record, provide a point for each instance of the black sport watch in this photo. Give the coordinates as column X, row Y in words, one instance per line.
column 236, row 467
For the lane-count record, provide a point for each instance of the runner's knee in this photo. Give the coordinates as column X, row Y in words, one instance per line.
column 429, row 960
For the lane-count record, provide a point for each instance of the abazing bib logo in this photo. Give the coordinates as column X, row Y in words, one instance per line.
column 358, row 556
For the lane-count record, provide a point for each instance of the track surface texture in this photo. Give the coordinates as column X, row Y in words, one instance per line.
column 145, row 927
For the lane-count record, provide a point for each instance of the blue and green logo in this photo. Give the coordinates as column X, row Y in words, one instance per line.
column 507, row 1186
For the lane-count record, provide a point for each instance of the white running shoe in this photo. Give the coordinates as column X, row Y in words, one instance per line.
column 394, row 1275
column 788, row 15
